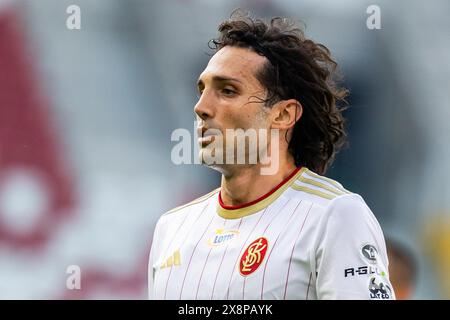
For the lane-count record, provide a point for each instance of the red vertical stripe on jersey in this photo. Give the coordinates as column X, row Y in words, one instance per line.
column 193, row 251
column 166, row 251
column 204, row 265
column 292, row 253
column 240, row 252
column 170, row 271
column 221, row 261
column 273, row 247
column 168, row 246
column 267, row 227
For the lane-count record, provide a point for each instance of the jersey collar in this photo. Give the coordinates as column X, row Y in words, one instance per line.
column 239, row 211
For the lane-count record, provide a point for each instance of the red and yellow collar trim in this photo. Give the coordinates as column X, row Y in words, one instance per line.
column 239, row 211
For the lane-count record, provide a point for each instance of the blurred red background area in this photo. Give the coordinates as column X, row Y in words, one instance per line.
column 37, row 185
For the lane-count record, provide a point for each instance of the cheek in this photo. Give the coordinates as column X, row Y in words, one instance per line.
column 249, row 117
column 233, row 119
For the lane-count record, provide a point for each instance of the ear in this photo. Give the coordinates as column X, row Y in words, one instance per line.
column 285, row 114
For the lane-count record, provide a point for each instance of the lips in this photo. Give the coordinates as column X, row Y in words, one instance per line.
column 204, row 141
column 205, row 137
column 202, row 132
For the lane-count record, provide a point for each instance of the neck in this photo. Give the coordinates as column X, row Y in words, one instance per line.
column 245, row 184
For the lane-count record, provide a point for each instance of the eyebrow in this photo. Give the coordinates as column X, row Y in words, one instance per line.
column 219, row 79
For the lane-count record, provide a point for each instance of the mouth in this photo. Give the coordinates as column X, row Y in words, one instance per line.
column 205, row 137
column 205, row 141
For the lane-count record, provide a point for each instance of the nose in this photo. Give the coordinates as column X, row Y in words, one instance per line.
column 204, row 107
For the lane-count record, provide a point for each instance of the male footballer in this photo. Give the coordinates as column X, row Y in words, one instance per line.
column 284, row 233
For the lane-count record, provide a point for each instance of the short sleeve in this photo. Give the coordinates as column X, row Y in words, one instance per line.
column 150, row 277
column 151, row 260
column 350, row 253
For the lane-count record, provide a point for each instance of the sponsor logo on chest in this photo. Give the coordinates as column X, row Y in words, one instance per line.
column 222, row 236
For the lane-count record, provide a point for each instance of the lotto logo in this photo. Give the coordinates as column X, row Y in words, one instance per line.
column 222, row 236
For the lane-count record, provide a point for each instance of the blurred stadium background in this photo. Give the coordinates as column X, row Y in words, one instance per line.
column 86, row 117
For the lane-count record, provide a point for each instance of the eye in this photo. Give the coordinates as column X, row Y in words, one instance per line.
column 228, row 91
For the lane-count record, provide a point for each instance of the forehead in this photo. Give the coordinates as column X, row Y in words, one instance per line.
column 233, row 62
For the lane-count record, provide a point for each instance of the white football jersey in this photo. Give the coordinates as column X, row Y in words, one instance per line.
column 309, row 238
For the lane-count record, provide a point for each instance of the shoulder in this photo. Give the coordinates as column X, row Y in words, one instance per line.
column 330, row 197
column 350, row 209
column 316, row 188
column 197, row 202
column 178, row 214
column 348, row 218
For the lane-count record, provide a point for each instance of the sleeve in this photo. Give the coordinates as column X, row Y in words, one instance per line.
column 151, row 261
column 350, row 253
column 151, row 274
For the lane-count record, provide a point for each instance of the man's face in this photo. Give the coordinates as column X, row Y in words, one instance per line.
column 230, row 94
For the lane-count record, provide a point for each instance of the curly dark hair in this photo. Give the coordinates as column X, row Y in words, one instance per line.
column 297, row 68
